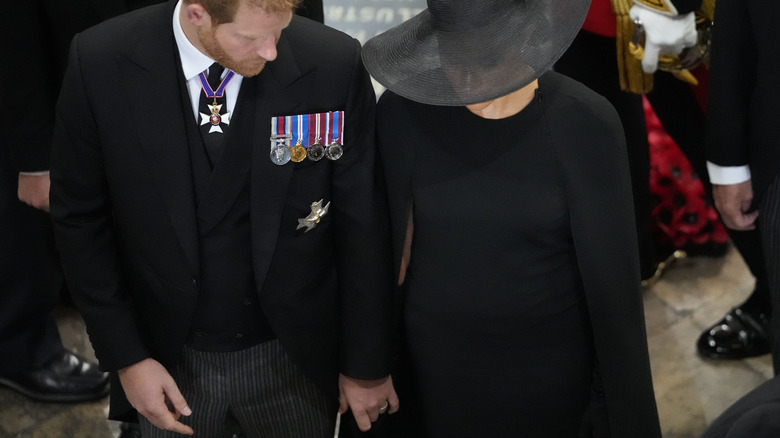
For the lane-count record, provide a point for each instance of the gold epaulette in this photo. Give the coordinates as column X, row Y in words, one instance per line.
column 662, row 6
column 632, row 78
column 708, row 9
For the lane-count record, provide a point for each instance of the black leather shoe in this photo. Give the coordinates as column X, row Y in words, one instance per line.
column 738, row 335
column 66, row 378
column 130, row 430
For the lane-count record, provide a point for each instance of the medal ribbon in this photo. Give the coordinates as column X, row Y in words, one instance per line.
column 315, row 129
column 300, row 126
column 294, row 129
column 280, row 127
column 277, row 126
column 338, row 117
column 327, row 129
column 308, row 129
column 304, row 130
column 220, row 91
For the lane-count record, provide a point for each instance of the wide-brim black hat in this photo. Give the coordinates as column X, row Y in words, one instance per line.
column 461, row 52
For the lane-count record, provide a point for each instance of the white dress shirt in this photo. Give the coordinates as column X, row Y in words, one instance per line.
column 193, row 61
column 726, row 175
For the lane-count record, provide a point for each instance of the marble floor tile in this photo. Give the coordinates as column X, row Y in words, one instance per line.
column 692, row 295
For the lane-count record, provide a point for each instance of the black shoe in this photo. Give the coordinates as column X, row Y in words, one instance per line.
column 66, row 378
column 130, row 430
column 738, row 335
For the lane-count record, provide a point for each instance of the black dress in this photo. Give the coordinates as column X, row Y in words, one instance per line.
column 497, row 328
column 494, row 315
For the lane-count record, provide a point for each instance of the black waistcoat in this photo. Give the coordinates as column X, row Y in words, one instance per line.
column 228, row 316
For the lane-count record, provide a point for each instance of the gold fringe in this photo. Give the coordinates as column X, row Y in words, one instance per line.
column 686, row 76
column 708, row 9
column 632, row 78
column 657, row 5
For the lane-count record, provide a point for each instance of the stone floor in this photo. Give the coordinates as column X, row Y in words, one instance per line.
column 694, row 293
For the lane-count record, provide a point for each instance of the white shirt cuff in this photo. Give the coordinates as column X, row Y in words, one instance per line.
column 726, row 175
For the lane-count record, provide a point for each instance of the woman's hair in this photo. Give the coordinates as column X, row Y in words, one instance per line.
column 223, row 11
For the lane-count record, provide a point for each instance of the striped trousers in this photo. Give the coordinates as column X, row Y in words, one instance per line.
column 769, row 215
column 253, row 393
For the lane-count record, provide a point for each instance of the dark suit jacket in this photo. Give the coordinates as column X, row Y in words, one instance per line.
column 123, row 206
column 592, row 155
column 744, row 100
column 33, row 63
column 35, row 60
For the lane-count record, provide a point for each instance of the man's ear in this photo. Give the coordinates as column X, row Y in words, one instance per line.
column 196, row 14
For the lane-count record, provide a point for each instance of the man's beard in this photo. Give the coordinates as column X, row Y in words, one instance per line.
column 246, row 68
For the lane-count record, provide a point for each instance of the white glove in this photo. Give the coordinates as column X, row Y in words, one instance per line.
column 664, row 34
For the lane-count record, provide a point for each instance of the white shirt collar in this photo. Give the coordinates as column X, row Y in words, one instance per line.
column 192, row 60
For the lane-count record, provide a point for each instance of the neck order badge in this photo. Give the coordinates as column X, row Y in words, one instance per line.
column 215, row 117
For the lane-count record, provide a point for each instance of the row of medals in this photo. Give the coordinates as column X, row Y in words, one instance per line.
column 282, row 154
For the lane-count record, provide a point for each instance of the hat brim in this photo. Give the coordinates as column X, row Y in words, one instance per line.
column 427, row 65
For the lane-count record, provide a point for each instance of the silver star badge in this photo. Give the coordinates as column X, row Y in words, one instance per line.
column 215, row 118
column 311, row 221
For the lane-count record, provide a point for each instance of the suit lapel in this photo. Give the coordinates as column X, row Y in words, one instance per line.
column 153, row 91
column 278, row 95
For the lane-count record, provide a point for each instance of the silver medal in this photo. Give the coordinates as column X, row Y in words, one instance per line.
column 334, row 151
column 316, row 152
column 280, row 154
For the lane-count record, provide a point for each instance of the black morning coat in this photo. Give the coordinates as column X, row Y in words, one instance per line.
column 123, row 205
column 744, row 100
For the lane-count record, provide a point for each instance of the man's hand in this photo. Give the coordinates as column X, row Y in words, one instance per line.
column 154, row 394
column 664, row 34
column 34, row 190
column 367, row 399
column 733, row 202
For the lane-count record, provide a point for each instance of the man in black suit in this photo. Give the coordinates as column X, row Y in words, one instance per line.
column 189, row 238
column 600, row 58
column 34, row 360
column 742, row 150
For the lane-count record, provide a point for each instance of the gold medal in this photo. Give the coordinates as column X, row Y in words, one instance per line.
column 297, row 153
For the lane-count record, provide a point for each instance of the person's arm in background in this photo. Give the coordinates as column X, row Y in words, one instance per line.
column 732, row 78
column 669, row 28
column 31, row 83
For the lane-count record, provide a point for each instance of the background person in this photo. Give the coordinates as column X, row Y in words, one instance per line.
column 742, row 153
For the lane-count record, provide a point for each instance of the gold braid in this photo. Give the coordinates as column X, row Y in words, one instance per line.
column 708, row 9
column 632, row 78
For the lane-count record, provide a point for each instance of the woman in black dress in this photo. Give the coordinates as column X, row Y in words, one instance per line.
column 513, row 227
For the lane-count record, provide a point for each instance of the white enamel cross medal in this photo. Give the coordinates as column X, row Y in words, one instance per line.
column 215, row 118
